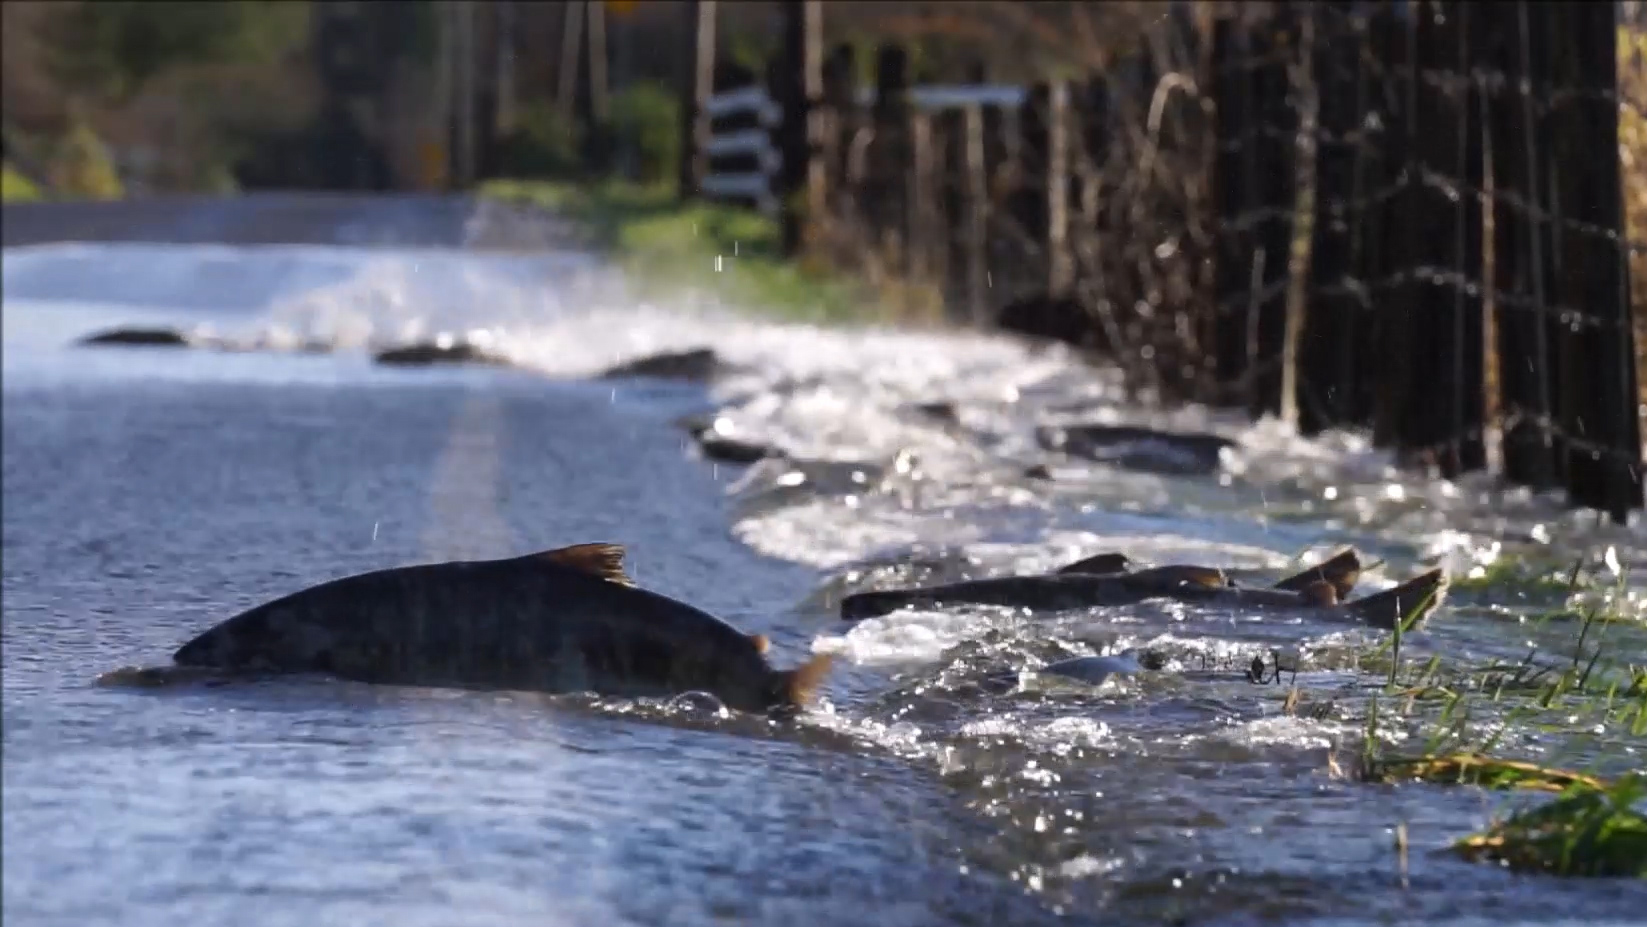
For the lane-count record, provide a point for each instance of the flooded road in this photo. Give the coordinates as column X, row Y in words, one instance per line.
column 150, row 492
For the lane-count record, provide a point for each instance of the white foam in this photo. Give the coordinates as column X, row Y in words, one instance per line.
column 907, row 636
column 841, row 394
column 1285, row 731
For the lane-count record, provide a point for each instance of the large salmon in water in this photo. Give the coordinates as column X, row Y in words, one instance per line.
column 566, row 620
column 1108, row 580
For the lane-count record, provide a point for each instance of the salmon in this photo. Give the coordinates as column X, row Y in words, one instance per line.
column 1092, row 671
column 1409, row 604
column 1319, row 589
column 1342, row 570
column 564, row 620
column 1053, row 592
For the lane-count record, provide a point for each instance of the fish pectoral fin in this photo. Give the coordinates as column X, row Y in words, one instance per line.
column 762, row 645
column 1320, row 593
column 602, row 560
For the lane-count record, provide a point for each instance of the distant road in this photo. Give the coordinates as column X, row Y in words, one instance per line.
column 406, row 220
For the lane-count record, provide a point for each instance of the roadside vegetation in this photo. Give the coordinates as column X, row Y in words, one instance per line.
column 1567, row 720
column 667, row 247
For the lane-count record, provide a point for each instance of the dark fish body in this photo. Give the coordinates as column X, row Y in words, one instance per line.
column 1315, row 591
column 1040, row 593
column 140, row 337
column 1134, row 448
column 557, row 621
column 696, row 365
column 1341, row 571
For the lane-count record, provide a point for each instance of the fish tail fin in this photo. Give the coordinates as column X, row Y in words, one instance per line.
column 1100, row 565
column 796, row 687
column 1408, row 604
column 1342, row 570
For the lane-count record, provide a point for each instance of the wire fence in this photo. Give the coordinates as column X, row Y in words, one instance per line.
column 1419, row 219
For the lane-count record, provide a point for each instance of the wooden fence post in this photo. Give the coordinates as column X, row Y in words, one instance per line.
column 922, row 236
column 1272, row 175
column 1025, row 273
column 1231, row 91
column 697, row 84
column 1519, row 284
column 796, row 89
column 1332, row 371
column 1252, row 177
column 1060, row 263
column 1597, row 413
column 887, row 200
column 1439, row 373
column 838, row 121
column 1394, row 48
column 975, row 220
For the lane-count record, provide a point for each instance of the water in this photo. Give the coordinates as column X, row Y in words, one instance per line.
column 150, row 493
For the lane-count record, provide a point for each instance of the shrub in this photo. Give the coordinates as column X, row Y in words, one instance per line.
column 542, row 145
column 81, row 166
column 15, row 188
column 646, row 126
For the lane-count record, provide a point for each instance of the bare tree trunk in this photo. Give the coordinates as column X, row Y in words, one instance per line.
column 505, row 116
column 598, row 90
column 1303, row 229
column 571, row 40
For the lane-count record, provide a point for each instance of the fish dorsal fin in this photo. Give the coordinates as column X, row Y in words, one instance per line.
column 1319, row 592
column 1100, row 565
column 762, row 645
column 602, row 560
column 1342, row 569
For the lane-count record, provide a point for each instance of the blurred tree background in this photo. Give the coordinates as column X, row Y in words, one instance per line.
column 111, row 97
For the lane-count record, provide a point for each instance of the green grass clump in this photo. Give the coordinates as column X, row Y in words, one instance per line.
column 1476, row 769
column 666, row 246
column 1593, row 829
column 1577, row 700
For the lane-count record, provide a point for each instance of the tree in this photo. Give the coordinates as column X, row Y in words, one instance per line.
column 111, row 48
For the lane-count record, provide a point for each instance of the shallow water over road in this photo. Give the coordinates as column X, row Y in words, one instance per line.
column 149, row 493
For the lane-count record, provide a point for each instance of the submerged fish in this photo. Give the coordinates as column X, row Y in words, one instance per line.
column 1092, row 671
column 1413, row 600
column 1342, row 571
column 1104, row 579
column 566, row 620
column 1410, row 604
column 1054, row 592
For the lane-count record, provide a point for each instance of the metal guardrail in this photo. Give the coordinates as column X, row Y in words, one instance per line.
column 757, row 143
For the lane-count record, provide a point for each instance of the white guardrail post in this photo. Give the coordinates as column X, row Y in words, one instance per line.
column 755, row 144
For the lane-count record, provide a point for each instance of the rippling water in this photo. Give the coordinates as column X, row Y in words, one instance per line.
column 148, row 494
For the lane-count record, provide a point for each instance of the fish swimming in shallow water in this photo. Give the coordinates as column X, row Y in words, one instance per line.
column 1092, row 670
column 1316, row 590
column 1342, row 570
column 1104, row 579
column 1048, row 593
column 566, row 620
column 1409, row 604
